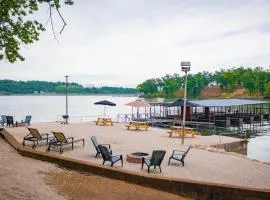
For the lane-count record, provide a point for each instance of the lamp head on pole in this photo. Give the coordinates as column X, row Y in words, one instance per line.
column 185, row 66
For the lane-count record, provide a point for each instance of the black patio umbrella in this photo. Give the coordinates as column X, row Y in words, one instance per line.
column 105, row 103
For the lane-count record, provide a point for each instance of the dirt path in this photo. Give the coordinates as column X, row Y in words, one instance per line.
column 24, row 178
column 87, row 186
column 21, row 177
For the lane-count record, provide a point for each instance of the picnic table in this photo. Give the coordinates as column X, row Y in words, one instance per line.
column 104, row 121
column 136, row 125
column 179, row 130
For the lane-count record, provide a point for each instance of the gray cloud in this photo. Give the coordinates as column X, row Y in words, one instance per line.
column 123, row 42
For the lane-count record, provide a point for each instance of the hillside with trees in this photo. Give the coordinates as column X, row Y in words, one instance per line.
column 250, row 81
column 8, row 87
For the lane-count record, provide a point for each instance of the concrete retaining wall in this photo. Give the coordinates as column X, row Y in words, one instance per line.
column 238, row 147
column 193, row 189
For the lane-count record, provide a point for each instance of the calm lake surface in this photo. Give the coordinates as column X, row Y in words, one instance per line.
column 51, row 108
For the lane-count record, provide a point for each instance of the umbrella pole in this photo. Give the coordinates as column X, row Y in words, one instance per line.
column 104, row 111
column 145, row 113
column 132, row 114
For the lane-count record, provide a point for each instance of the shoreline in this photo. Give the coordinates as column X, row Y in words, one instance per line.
column 115, row 95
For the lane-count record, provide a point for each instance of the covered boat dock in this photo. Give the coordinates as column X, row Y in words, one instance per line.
column 241, row 114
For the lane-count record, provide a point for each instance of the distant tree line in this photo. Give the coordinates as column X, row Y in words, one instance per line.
column 44, row 87
column 253, row 79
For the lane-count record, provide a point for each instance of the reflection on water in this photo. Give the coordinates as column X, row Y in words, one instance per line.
column 259, row 147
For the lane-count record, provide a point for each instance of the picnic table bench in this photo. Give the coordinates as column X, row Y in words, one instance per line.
column 179, row 130
column 137, row 125
column 104, row 121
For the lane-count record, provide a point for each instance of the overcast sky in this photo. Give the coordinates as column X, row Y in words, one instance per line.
column 124, row 42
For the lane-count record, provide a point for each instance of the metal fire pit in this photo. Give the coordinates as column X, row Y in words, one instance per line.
column 136, row 157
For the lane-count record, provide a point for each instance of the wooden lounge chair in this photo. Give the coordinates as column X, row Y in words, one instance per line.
column 60, row 140
column 155, row 160
column 108, row 156
column 34, row 136
column 95, row 142
column 27, row 120
column 179, row 155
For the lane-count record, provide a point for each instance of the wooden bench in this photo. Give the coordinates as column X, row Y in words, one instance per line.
column 137, row 126
column 104, row 121
column 179, row 130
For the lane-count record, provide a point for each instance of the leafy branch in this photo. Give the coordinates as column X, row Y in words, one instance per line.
column 16, row 29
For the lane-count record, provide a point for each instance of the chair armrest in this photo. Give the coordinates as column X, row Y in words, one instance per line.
column 52, row 139
column 70, row 138
column 116, row 155
column 178, row 151
column 147, row 157
column 47, row 134
column 28, row 135
column 107, row 145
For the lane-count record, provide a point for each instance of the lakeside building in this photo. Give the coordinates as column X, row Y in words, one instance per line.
column 215, row 114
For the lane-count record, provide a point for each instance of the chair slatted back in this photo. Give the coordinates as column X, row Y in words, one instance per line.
column 95, row 142
column 9, row 119
column 157, row 157
column 4, row 118
column 34, row 132
column 106, row 155
column 60, row 137
column 28, row 119
column 186, row 152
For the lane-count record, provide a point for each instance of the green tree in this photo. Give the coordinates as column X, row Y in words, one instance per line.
column 267, row 90
column 30, row 87
column 148, row 87
column 248, row 80
column 252, row 79
column 17, row 29
column 260, row 79
column 171, row 84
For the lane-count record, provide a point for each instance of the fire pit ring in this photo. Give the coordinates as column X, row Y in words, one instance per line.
column 136, row 157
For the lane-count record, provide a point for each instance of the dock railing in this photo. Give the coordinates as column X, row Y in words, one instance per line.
column 125, row 118
column 81, row 118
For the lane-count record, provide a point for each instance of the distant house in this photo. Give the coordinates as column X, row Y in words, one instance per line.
column 160, row 88
column 141, row 94
column 89, row 85
column 213, row 83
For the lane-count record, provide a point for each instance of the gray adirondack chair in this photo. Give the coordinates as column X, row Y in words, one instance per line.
column 154, row 160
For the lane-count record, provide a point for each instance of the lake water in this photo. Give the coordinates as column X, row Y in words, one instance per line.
column 47, row 108
column 51, row 108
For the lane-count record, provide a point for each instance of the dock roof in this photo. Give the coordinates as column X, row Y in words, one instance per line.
column 216, row 102
column 226, row 102
column 180, row 102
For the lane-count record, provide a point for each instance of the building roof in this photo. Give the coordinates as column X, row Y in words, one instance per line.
column 226, row 102
column 138, row 103
column 180, row 102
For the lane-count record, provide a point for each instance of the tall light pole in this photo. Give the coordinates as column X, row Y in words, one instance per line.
column 185, row 67
column 66, row 117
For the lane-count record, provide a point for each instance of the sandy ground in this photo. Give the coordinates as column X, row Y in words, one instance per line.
column 87, row 186
column 200, row 165
column 24, row 178
column 21, row 177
